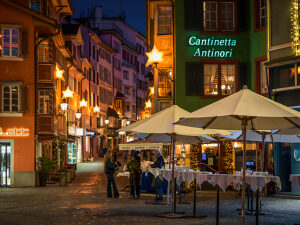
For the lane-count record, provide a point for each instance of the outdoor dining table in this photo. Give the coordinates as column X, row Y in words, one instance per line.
column 295, row 179
column 222, row 181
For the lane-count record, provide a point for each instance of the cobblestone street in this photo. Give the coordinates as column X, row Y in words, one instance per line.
column 84, row 202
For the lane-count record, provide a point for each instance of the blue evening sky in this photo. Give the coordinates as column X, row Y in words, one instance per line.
column 135, row 10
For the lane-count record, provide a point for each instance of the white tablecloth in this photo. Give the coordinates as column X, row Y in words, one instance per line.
column 295, row 179
column 257, row 181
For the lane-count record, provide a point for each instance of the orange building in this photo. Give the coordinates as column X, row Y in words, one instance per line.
column 23, row 26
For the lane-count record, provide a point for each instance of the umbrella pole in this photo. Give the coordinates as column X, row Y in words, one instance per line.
column 173, row 171
column 262, row 152
column 244, row 126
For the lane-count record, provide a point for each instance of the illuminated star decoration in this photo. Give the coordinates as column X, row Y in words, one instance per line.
column 83, row 103
column 68, row 93
column 154, row 56
column 295, row 26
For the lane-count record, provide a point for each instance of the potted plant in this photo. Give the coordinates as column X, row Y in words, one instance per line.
column 44, row 166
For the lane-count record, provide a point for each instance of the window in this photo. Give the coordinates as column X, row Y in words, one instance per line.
column 127, row 90
column 285, row 76
column 128, row 108
column 105, row 75
column 11, row 95
column 210, row 16
column 134, row 78
column 10, row 42
column 227, row 16
column 260, row 17
column 133, row 92
column 214, row 20
column 125, row 75
column 116, row 46
column 43, row 52
column 44, row 102
column 263, row 78
column 164, row 20
column 219, row 79
column 262, row 13
column 117, row 64
column 164, row 87
column 143, row 68
column 118, row 104
column 133, row 110
column 35, row 5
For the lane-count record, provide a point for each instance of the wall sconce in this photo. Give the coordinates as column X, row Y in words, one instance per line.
column 78, row 115
column 106, row 122
column 64, row 106
column 68, row 93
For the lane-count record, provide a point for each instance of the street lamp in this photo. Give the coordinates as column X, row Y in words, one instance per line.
column 127, row 122
column 63, row 106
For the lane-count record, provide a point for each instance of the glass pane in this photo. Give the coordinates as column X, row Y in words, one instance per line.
column 210, row 79
column 15, row 108
column 227, row 79
column 15, row 36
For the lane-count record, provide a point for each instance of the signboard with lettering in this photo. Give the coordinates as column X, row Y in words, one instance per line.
column 212, row 47
column 15, row 132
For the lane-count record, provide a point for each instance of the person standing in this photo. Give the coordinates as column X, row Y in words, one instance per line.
column 134, row 167
column 159, row 163
column 125, row 154
column 110, row 168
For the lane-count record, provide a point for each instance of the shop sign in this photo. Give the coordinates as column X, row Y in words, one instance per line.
column 79, row 132
column 89, row 133
column 72, row 130
column 211, row 47
column 15, row 132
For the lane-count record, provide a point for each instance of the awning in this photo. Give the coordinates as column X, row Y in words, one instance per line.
column 142, row 145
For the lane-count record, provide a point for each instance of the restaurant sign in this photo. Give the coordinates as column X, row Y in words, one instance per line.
column 15, row 132
column 211, row 47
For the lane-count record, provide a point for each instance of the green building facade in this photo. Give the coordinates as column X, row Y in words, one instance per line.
column 219, row 47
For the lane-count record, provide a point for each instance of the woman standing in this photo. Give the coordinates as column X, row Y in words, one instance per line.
column 110, row 168
column 134, row 167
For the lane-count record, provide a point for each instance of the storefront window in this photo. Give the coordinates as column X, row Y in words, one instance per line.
column 283, row 77
column 165, row 84
column 227, row 79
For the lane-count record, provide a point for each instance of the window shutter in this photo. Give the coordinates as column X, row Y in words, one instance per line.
column 194, row 79
column 24, row 99
column 51, row 102
column 193, row 10
column 24, row 42
column 243, row 75
column 243, row 15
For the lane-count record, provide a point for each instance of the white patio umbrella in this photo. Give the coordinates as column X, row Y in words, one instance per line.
column 162, row 123
column 243, row 110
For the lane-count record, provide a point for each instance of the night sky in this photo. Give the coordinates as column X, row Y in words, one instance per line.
column 135, row 10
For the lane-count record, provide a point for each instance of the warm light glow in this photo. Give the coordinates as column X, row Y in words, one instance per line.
column 122, row 132
column 64, row 106
column 96, row 109
column 154, row 56
column 68, row 93
column 210, row 145
column 78, row 115
column 83, row 103
column 295, row 35
column 14, row 132
column 148, row 104
column 59, row 73
column 106, row 122
column 151, row 90
column 223, row 86
column 235, row 144
column 127, row 122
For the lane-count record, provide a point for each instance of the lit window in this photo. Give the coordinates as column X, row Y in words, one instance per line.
column 210, row 79
column 263, row 78
column 35, row 6
column 10, row 42
column 210, row 16
column 43, row 52
column 219, row 79
column 44, row 102
column 227, row 79
column 10, row 98
column 165, row 84
column 164, row 19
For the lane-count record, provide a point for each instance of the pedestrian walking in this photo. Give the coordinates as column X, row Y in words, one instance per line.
column 134, row 167
column 110, row 168
column 159, row 163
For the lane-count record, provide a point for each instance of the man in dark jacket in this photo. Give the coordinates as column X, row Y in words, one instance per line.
column 159, row 163
column 110, row 168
